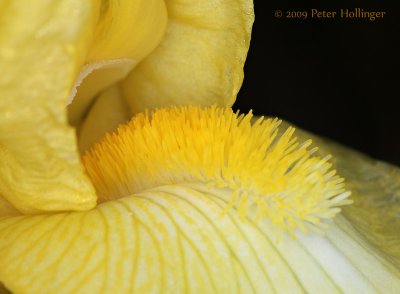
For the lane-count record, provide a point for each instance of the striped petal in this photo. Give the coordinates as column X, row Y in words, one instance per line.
column 172, row 239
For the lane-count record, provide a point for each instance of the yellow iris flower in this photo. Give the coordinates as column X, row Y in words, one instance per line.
column 181, row 199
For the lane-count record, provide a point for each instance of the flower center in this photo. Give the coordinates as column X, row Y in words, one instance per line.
column 275, row 175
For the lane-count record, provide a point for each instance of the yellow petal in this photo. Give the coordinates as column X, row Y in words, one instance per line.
column 108, row 111
column 172, row 239
column 375, row 187
column 125, row 33
column 92, row 79
column 42, row 48
column 200, row 59
column 6, row 209
column 127, row 29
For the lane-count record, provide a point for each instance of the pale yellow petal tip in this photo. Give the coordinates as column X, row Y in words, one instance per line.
column 277, row 177
column 117, row 69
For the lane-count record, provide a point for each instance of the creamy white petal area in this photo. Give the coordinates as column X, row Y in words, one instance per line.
column 174, row 239
column 375, row 187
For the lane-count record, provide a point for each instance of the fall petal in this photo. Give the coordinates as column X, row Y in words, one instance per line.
column 375, row 187
column 173, row 239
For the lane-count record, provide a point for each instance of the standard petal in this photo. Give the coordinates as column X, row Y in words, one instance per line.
column 200, row 59
column 108, row 111
column 127, row 29
column 92, row 79
column 126, row 32
column 174, row 239
column 43, row 45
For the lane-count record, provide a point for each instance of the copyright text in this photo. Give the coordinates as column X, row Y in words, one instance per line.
column 343, row 13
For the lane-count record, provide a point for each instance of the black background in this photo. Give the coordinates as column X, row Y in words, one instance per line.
column 338, row 78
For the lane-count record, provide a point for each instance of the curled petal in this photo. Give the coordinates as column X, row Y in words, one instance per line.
column 172, row 239
column 125, row 33
column 42, row 48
